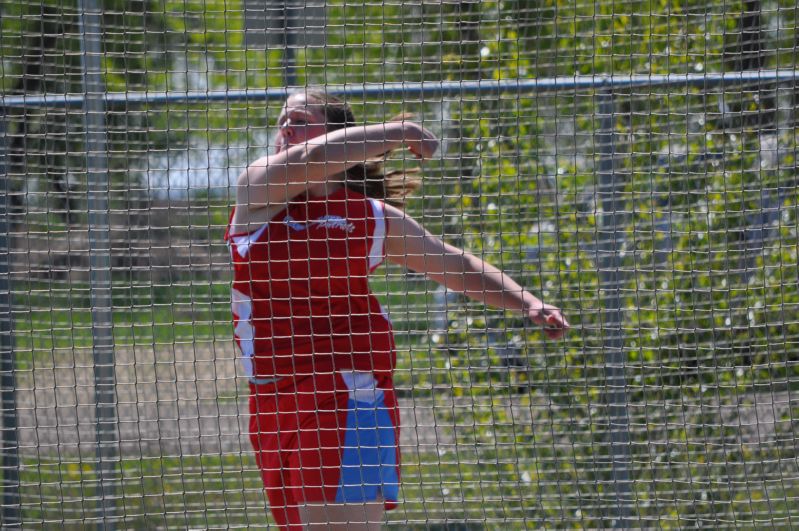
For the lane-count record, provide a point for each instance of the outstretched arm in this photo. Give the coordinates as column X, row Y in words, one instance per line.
column 410, row 245
column 274, row 179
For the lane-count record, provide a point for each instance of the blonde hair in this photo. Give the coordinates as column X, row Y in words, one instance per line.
column 369, row 178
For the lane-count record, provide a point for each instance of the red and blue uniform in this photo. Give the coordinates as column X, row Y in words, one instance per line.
column 319, row 351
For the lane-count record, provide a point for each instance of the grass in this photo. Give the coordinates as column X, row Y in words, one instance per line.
column 49, row 318
column 499, row 471
column 212, row 491
column 150, row 493
column 457, row 490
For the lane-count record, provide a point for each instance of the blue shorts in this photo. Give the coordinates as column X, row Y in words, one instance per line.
column 326, row 438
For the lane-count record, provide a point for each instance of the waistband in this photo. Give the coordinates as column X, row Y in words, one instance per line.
column 257, row 382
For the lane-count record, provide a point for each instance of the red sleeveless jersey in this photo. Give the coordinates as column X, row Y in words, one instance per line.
column 301, row 299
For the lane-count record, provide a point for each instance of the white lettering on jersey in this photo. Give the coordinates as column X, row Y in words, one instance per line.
column 325, row 222
column 334, row 222
column 293, row 224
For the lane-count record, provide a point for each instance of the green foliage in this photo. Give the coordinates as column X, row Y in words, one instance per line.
column 703, row 237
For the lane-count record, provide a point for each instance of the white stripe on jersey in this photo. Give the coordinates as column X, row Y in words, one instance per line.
column 244, row 241
column 245, row 332
column 379, row 236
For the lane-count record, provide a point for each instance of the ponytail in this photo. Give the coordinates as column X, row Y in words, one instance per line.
column 369, row 178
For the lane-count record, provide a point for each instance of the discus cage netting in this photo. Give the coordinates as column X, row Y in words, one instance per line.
column 632, row 162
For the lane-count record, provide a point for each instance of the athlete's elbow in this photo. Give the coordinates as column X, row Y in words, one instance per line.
column 455, row 279
column 244, row 180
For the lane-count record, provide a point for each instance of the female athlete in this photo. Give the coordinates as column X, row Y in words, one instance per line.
column 311, row 221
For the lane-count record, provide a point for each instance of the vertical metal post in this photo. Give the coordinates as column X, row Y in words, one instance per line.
column 610, row 282
column 9, row 445
column 289, row 41
column 100, row 259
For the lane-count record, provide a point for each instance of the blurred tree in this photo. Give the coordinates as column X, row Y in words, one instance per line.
column 41, row 50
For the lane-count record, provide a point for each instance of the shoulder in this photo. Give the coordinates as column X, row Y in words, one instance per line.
column 245, row 221
column 357, row 206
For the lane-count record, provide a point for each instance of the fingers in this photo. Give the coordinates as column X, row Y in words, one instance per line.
column 424, row 145
column 556, row 319
column 425, row 153
column 555, row 328
column 553, row 333
column 424, row 149
column 554, row 323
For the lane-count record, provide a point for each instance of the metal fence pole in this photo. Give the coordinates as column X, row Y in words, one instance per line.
column 288, row 20
column 100, row 259
column 11, row 516
column 610, row 236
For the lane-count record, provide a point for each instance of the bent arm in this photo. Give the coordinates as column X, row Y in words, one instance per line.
column 274, row 179
column 411, row 246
